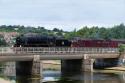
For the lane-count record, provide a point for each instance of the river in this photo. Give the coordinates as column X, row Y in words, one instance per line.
column 55, row 77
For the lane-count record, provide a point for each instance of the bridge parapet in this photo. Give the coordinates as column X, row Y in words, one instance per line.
column 53, row 50
column 4, row 50
column 56, row 50
column 65, row 49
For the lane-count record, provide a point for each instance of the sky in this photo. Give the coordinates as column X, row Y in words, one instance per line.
column 63, row 14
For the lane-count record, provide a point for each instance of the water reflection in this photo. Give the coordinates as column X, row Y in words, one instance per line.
column 78, row 78
column 28, row 80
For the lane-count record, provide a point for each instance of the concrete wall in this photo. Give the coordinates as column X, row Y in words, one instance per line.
column 9, row 69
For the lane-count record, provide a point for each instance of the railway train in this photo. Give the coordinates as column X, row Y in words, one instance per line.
column 52, row 41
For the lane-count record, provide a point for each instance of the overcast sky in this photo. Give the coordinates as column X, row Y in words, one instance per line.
column 65, row 14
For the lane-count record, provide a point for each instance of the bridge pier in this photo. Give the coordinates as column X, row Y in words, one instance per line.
column 29, row 68
column 87, row 64
column 36, row 66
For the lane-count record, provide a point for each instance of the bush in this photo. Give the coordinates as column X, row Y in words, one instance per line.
column 121, row 48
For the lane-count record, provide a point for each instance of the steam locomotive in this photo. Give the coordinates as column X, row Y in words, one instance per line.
column 41, row 41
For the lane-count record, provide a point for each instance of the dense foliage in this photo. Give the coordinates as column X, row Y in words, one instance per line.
column 121, row 48
column 29, row 29
column 2, row 41
column 115, row 32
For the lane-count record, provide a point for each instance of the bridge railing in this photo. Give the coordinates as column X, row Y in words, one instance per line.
column 6, row 50
column 51, row 50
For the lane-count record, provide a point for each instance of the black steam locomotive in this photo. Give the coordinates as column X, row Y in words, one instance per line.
column 41, row 41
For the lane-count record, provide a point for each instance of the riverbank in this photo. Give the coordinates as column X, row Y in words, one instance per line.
column 111, row 70
column 51, row 65
column 4, row 81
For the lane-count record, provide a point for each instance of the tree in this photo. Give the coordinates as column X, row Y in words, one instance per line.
column 2, row 42
column 56, row 30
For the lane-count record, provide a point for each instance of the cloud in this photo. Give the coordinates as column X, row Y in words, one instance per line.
column 62, row 12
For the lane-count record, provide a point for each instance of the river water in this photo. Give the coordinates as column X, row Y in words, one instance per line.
column 55, row 77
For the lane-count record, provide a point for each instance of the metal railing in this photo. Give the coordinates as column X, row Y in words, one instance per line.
column 55, row 50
